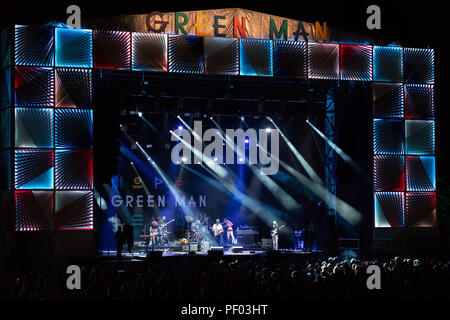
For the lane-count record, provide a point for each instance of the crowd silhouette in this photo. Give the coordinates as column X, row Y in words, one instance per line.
column 231, row 278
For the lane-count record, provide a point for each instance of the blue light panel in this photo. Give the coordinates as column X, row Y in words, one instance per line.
column 388, row 64
column 73, row 48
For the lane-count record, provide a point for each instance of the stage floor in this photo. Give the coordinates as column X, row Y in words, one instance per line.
column 227, row 252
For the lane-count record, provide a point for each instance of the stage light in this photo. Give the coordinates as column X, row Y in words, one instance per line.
column 241, row 159
column 180, row 127
column 215, row 159
column 131, row 162
column 246, row 140
column 140, row 114
column 242, row 118
column 267, row 129
column 184, row 159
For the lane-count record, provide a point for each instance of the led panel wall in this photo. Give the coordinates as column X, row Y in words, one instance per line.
column 420, row 209
column 186, row 54
column 419, row 137
column 389, row 209
column 34, row 168
column 388, row 64
column 34, row 128
column 290, row 59
column 73, row 169
column 34, row 46
column 388, row 136
column 73, row 128
column 419, row 101
column 419, row 65
column 256, row 57
column 34, row 210
column 221, row 56
column 323, row 61
column 5, row 92
column 73, row 88
column 5, row 165
column 34, row 86
column 388, row 100
column 73, row 48
column 112, row 49
column 389, row 173
column 149, row 51
column 356, row 62
column 74, row 210
column 420, row 173
column 5, row 129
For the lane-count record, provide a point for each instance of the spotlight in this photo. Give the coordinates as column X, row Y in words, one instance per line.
column 184, row 159
column 131, row 162
column 242, row 118
column 267, row 129
column 180, row 127
column 140, row 114
column 246, row 140
column 215, row 159
column 241, row 159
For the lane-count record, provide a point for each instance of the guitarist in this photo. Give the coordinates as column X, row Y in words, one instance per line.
column 218, row 231
column 274, row 234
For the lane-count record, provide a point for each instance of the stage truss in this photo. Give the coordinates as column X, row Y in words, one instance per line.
column 47, row 113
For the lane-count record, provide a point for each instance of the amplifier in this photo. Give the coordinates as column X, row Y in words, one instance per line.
column 193, row 247
column 205, row 246
column 247, row 232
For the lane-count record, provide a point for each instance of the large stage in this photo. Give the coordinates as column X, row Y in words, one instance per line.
column 333, row 136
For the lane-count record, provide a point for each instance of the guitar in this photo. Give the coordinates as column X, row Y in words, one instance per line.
column 167, row 223
column 274, row 232
column 218, row 232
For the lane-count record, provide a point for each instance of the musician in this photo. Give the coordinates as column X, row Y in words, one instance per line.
column 163, row 230
column 229, row 227
column 274, row 233
column 218, row 231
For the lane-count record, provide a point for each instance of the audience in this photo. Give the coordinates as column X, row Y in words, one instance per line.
column 237, row 279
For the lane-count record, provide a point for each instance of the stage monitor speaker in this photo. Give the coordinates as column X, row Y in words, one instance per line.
column 237, row 249
column 215, row 251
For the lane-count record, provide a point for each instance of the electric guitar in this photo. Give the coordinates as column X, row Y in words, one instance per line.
column 167, row 223
column 274, row 232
